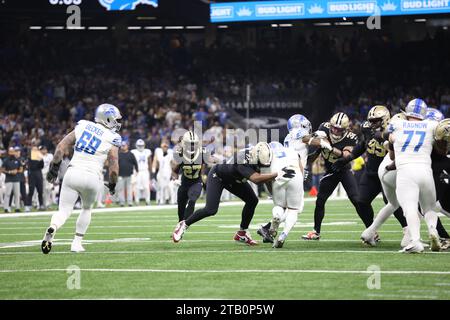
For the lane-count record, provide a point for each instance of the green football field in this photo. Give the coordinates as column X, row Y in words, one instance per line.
column 130, row 255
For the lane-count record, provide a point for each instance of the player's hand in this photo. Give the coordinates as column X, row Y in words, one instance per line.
column 340, row 164
column 52, row 173
column 444, row 177
column 391, row 167
column 111, row 187
column 319, row 134
column 325, row 145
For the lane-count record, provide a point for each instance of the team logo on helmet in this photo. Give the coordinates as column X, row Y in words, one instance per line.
column 339, row 124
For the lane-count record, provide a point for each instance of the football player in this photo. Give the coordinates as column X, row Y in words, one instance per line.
column 372, row 143
column 336, row 141
column 191, row 166
column 162, row 161
column 143, row 156
column 93, row 144
column 412, row 142
column 287, row 195
column 233, row 177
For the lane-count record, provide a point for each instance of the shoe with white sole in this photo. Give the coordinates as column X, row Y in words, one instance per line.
column 46, row 245
column 77, row 247
column 178, row 233
column 413, row 247
column 368, row 237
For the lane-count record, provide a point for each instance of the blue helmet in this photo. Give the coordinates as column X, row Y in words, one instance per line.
column 416, row 108
column 298, row 121
column 434, row 114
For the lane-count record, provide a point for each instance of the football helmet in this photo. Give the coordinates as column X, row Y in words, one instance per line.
column 434, row 114
column 191, row 147
column 379, row 117
column 140, row 144
column 298, row 121
column 416, row 108
column 443, row 131
column 261, row 154
column 339, row 124
column 109, row 116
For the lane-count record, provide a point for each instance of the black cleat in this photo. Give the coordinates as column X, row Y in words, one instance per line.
column 265, row 234
column 278, row 244
column 46, row 245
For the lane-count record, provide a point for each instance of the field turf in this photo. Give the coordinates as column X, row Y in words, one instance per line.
column 130, row 255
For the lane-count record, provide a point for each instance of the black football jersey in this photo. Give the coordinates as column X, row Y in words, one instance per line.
column 349, row 140
column 235, row 173
column 191, row 172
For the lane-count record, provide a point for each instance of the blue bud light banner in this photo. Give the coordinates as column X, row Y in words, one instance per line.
column 316, row 9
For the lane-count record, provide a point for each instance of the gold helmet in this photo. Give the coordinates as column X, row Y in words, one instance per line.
column 442, row 132
column 339, row 124
column 191, row 146
column 379, row 117
column 398, row 116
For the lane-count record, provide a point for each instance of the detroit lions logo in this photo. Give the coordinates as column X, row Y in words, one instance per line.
column 126, row 4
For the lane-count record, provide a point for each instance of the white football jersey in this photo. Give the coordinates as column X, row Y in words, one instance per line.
column 93, row 142
column 142, row 158
column 413, row 141
column 164, row 160
column 282, row 157
column 294, row 141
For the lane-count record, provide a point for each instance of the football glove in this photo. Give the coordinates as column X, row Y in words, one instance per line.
column 305, row 174
column 53, row 170
column 444, row 177
column 320, row 134
column 341, row 163
column 111, row 187
column 325, row 145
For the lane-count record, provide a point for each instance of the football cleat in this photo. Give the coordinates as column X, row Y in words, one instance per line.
column 312, row 235
column 46, row 245
column 435, row 243
column 278, row 243
column 76, row 247
column 244, row 237
column 369, row 237
column 265, row 234
column 178, row 233
column 413, row 247
column 445, row 244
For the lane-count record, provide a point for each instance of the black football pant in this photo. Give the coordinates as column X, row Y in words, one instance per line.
column 327, row 185
column 369, row 188
column 443, row 195
column 188, row 194
column 35, row 181
column 214, row 188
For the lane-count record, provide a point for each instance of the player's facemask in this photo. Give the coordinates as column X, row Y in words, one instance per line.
column 336, row 133
column 376, row 124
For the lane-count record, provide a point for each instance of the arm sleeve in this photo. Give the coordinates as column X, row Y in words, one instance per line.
column 359, row 149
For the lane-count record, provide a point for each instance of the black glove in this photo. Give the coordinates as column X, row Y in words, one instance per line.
column 444, row 177
column 111, row 187
column 341, row 163
column 288, row 173
column 367, row 131
column 53, row 170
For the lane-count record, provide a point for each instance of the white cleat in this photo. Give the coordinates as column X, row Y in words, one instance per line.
column 406, row 238
column 413, row 247
column 77, row 247
column 368, row 237
column 178, row 233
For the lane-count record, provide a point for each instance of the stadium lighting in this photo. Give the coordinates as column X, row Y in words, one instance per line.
column 76, row 28
column 174, row 27
column 98, row 28
column 153, row 28
column 195, row 27
column 286, row 25
column 322, row 24
column 360, row 22
column 348, row 23
column 146, row 18
column 274, row 25
column 134, row 28
column 54, row 28
column 420, row 20
column 222, row 26
column 35, row 27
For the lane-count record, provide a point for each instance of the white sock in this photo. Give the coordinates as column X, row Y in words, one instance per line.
column 291, row 220
column 78, row 238
column 83, row 221
column 431, row 220
column 382, row 216
column 413, row 221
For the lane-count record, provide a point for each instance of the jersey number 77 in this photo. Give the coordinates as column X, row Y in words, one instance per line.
column 410, row 134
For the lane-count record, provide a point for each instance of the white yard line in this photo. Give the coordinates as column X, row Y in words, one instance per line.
column 255, row 271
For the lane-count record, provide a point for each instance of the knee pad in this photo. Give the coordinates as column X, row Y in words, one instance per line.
column 277, row 212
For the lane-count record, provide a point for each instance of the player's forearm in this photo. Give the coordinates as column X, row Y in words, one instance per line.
column 64, row 147
column 358, row 150
column 262, row 177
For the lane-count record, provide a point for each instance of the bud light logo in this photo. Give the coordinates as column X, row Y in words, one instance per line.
column 126, row 4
